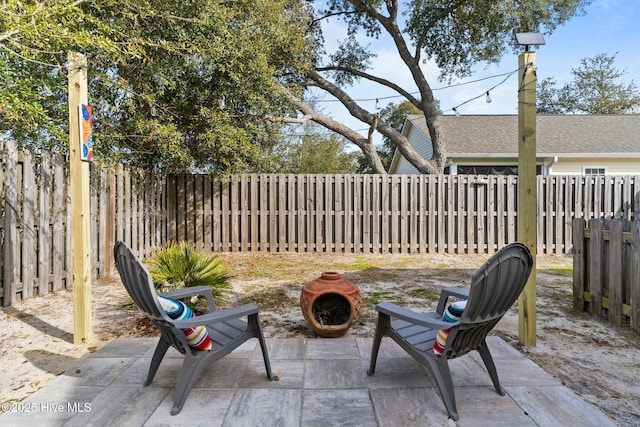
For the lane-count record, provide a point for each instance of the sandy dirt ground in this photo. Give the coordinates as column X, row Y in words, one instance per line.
column 598, row 361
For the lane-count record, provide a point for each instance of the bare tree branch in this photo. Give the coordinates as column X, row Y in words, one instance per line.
column 369, row 149
column 293, row 120
column 372, row 129
column 375, row 79
column 8, row 35
column 361, row 114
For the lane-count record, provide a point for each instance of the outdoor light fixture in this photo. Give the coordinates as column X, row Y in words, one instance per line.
column 529, row 39
column 488, row 98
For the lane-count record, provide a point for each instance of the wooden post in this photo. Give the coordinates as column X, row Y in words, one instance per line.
column 11, row 240
column 596, row 265
column 579, row 260
column 527, row 214
column 80, row 205
column 616, row 268
column 635, row 275
column 109, row 231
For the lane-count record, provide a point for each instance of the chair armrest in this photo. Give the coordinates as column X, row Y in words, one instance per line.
column 450, row 292
column 218, row 316
column 430, row 320
column 192, row 291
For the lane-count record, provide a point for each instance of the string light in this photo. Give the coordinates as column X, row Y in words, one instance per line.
column 485, row 94
column 508, row 74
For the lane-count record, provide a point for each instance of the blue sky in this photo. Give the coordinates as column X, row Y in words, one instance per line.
column 609, row 26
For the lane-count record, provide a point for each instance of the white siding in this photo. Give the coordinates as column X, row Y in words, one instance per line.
column 422, row 144
column 575, row 166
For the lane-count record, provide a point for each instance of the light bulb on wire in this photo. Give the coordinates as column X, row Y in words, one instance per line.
column 488, row 98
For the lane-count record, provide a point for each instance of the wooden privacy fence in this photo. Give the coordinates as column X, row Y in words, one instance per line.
column 278, row 213
column 384, row 213
column 606, row 269
column 34, row 214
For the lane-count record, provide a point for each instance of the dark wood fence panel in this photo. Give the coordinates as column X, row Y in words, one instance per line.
column 606, row 269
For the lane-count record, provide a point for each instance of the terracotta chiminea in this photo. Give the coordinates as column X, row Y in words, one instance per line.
column 330, row 304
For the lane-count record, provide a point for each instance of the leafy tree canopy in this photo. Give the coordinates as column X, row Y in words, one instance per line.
column 174, row 85
column 597, row 88
column 316, row 150
column 198, row 85
column 455, row 34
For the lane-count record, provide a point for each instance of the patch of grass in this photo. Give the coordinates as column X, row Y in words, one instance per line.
column 373, row 274
column 343, row 266
column 300, row 269
column 362, row 264
column 427, row 294
column 274, row 268
column 375, row 297
column 271, row 299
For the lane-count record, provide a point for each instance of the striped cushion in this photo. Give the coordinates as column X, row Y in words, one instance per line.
column 451, row 314
column 197, row 336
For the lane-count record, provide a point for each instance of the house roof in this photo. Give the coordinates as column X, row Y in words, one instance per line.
column 567, row 135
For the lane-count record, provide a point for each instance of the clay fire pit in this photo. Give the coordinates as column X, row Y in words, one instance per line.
column 330, row 304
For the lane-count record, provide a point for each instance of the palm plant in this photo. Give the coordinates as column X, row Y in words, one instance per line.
column 179, row 265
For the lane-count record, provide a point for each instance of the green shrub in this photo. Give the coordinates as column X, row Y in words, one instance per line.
column 179, row 265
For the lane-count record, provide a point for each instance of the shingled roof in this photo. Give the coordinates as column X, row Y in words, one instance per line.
column 609, row 135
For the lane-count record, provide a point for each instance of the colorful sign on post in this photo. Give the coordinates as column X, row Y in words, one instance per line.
column 86, row 133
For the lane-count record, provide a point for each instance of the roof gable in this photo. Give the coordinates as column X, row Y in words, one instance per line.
column 556, row 134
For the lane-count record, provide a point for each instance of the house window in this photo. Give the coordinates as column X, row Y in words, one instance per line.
column 595, row 171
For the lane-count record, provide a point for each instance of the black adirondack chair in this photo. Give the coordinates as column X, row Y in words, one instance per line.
column 227, row 328
column 494, row 288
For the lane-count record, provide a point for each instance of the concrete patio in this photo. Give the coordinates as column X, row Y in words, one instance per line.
column 322, row 382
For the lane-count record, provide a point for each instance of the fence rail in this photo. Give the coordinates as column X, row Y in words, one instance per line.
column 606, row 269
column 278, row 213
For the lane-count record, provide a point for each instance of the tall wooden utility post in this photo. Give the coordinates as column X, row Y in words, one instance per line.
column 527, row 215
column 80, row 197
